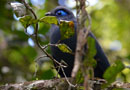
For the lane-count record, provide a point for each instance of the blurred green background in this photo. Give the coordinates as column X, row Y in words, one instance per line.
column 18, row 52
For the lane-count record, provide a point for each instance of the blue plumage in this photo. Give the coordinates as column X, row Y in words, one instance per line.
column 63, row 13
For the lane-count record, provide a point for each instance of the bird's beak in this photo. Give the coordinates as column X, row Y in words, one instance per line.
column 48, row 14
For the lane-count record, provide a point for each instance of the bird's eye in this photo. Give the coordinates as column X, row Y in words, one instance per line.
column 61, row 13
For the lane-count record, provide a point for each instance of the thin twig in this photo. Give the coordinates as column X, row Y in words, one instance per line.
column 82, row 34
column 81, row 37
column 67, row 78
column 36, row 34
column 43, row 48
column 37, row 59
column 36, row 69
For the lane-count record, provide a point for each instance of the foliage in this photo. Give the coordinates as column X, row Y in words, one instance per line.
column 66, row 29
column 64, row 48
column 91, row 52
column 110, row 21
column 27, row 20
column 49, row 20
column 111, row 72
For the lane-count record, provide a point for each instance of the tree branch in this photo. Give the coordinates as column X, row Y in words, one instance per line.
column 44, row 47
column 61, row 84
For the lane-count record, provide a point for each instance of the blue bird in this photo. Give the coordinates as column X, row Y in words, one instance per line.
column 63, row 13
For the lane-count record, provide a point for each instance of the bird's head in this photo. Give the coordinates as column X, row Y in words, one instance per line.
column 62, row 13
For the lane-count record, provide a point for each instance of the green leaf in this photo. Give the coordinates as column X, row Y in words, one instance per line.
column 91, row 47
column 64, row 48
column 66, row 29
column 27, row 20
column 49, row 20
column 112, row 71
column 79, row 77
column 91, row 52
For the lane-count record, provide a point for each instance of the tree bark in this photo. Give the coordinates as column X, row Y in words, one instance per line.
column 61, row 84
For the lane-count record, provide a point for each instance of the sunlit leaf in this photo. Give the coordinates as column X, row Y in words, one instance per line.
column 66, row 29
column 64, row 48
column 19, row 8
column 49, row 20
column 112, row 71
column 27, row 20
